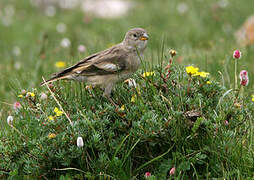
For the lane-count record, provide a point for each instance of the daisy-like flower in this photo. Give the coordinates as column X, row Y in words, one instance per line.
column 80, row 142
column 244, row 79
column 122, row 108
column 133, row 98
column 191, row 70
column 10, row 120
column 60, row 64
column 252, row 97
column 30, row 94
column 172, row 171
column 237, row 54
column 208, row 82
column 201, row 74
column 148, row 174
column 146, row 74
column 51, row 118
column 58, row 112
column 51, row 135
column 65, row 42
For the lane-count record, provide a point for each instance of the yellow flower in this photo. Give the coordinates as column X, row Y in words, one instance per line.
column 51, row 118
column 208, row 82
column 60, row 64
column 58, row 112
column 122, row 108
column 133, row 98
column 146, row 74
column 56, row 109
column 202, row 74
column 51, row 135
column 31, row 94
column 191, row 70
column 252, row 97
column 20, row 96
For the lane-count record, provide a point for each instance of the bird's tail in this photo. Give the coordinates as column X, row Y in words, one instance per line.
column 55, row 78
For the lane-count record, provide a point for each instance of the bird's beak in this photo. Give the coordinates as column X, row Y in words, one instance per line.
column 144, row 37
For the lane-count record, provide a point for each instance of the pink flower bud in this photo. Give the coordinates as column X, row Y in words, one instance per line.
column 244, row 79
column 147, row 174
column 16, row 105
column 237, row 54
column 226, row 123
column 172, row 171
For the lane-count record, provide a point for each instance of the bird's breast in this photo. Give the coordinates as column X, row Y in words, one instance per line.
column 133, row 62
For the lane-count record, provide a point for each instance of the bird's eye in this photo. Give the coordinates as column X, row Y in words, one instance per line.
column 135, row 35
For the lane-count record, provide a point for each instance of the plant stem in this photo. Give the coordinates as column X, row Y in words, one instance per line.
column 236, row 73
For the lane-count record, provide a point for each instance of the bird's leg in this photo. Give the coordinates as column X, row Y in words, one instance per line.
column 107, row 94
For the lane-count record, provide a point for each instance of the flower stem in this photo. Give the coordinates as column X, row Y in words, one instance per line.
column 235, row 73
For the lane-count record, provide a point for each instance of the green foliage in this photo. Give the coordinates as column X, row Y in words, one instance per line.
column 174, row 121
column 180, row 122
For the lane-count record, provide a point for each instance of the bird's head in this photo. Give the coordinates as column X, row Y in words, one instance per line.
column 136, row 39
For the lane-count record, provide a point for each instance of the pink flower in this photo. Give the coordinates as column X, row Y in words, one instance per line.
column 226, row 123
column 237, row 54
column 16, row 105
column 81, row 48
column 147, row 174
column 172, row 171
column 244, row 79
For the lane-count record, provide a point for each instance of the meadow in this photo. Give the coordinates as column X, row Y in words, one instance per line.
column 172, row 125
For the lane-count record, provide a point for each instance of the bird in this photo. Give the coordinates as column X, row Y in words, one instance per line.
column 107, row 67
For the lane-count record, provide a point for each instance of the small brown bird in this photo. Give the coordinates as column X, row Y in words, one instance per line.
column 107, row 67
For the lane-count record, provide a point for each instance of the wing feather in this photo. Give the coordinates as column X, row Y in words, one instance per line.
column 105, row 62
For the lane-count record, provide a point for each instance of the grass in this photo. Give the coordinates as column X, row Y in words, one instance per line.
column 203, row 36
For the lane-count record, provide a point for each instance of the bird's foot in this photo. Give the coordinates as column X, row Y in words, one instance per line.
column 110, row 100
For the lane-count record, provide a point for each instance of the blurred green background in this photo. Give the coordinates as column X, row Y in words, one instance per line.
column 33, row 33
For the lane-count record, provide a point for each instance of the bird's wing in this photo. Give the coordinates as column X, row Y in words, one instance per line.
column 109, row 61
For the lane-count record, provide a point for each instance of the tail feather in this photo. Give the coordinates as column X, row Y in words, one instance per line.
column 56, row 78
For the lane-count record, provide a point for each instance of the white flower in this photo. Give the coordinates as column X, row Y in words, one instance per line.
column 9, row 10
column 43, row 96
column 68, row 4
column 65, row 42
column 81, row 48
column 7, row 21
column 132, row 83
column 61, row 27
column 50, row 11
column 80, row 142
column 223, row 3
column 10, row 120
column 16, row 51
column 182, row 8
column 17, row 65
column 107, row 9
